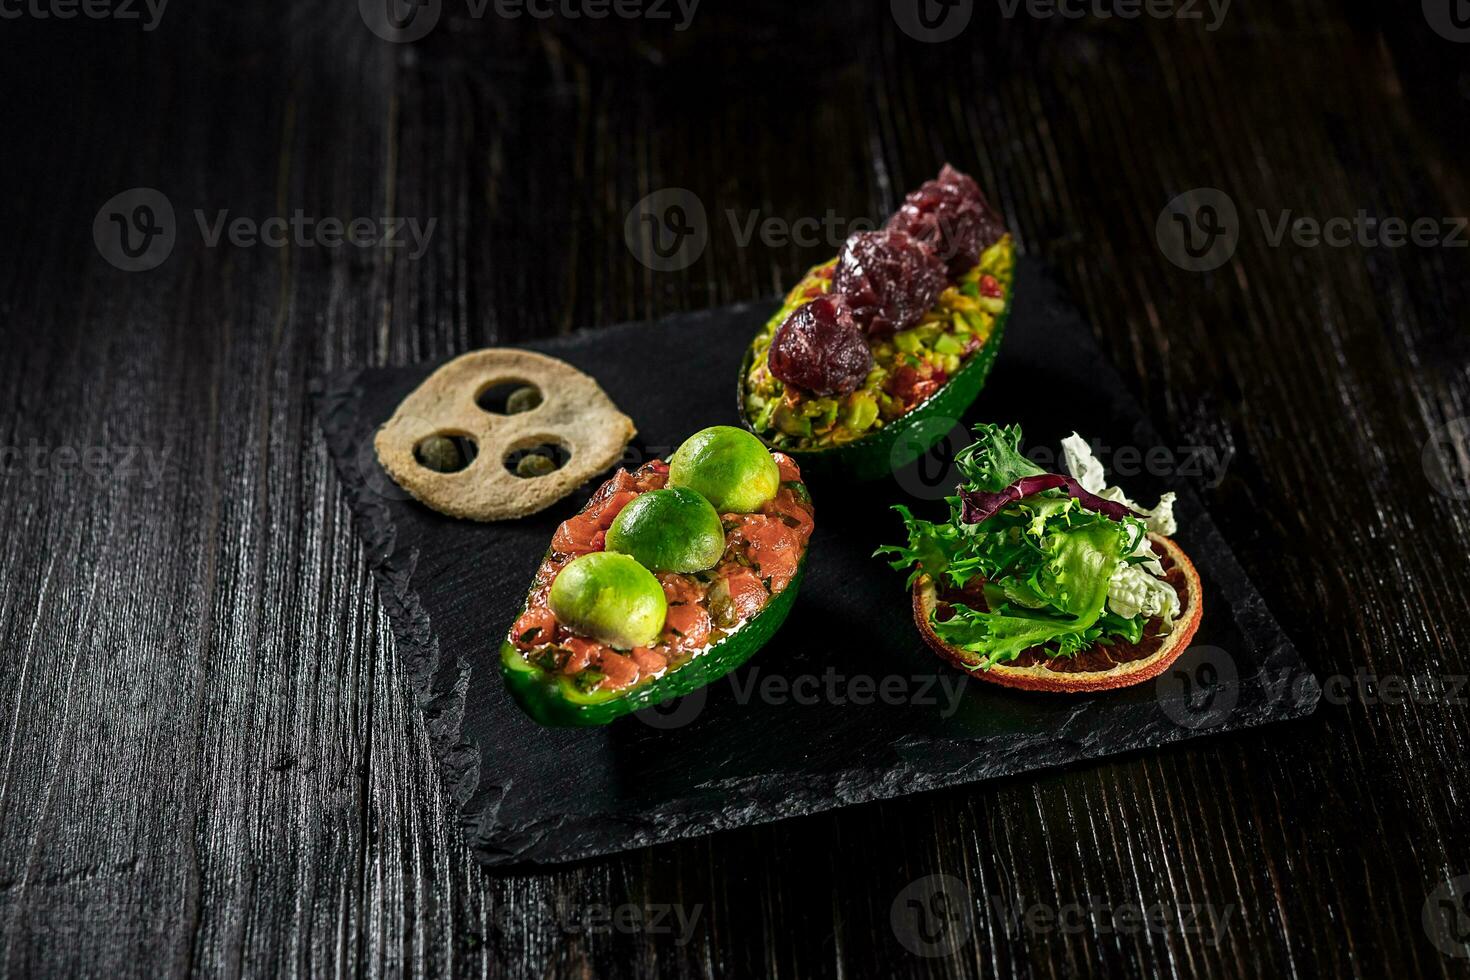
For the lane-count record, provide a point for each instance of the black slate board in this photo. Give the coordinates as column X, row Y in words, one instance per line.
column 845, row 704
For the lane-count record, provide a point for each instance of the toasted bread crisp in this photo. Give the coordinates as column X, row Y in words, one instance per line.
column 575, row 415
column 1102, row 668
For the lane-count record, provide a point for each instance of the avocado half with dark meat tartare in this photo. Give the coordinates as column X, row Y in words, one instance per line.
column 632, row 607
column 872, row 352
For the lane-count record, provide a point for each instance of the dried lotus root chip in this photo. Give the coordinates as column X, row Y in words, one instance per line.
column 453, row 455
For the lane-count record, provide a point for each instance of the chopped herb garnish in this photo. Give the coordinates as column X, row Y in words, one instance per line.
column 588, row 680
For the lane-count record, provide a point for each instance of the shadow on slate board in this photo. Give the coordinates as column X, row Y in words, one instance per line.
column 845, row 704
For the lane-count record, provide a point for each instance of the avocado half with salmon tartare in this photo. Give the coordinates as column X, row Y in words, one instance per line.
column 873, row 351
column 670, row 577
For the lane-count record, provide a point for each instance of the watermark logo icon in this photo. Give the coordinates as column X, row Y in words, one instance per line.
column 375, row 479
column 933, row 475
column 933, row 916
column 668, row 230
column 1449, row 18
column 933, row 21
column 1200, row 689
column 1199, row 230
column 1446, row 459
column 674, row 714
column 1446, row 917
column 400, row 21
column 135, row 231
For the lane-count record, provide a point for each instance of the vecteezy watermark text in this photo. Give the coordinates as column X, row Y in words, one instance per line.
column 831, row 229
column 304, row 231
column 944, row 691
column 933, row 474
column 136, row 230
column 1120, row 9
column 404, row 21
column 1362, row 230
column 935, row 916
column 649, row 919
column 1204, row 463
column 1200, row 229
column 1103, row 917
column 1370, row 689
column 655, row 10
column 669, row 230
column 146, row 12
column 937, row 21
column 99, row 463
column 1202, row 689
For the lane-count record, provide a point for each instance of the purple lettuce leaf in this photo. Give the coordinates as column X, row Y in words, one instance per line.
column 979, row 506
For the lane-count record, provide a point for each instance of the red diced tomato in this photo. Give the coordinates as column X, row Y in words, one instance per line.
column 582, row 653
column 649, row 661
column 747, row 594
column 578, row 536
column 787, row 467
column 613, row 506
column 680, row 588
column 788, row 506
column 912, row 386
column 990, row 286
column 773, row 548
column 535, row 627
column 654, row 476
column 619, row 670
column 687, row 627
column 621, row 480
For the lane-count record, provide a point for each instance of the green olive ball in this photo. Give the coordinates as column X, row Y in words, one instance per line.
column 440, row 454
column 533, row 465
column 522, row 400
column 672, row 530
column 730, row 467
column 610, row 598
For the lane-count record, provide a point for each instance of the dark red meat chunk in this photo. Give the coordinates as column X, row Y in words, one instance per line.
column 889, row 280
column 821, row 349
column 951, row 216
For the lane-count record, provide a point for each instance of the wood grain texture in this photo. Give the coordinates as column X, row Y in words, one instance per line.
column 209, row 761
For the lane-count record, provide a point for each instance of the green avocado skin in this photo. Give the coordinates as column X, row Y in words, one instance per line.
column 546, row 698
column 880, row 453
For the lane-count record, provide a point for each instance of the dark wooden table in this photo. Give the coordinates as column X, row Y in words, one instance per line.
column 209, row 760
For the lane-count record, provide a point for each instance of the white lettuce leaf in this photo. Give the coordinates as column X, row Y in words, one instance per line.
column 1136, row 586
column 1084, row 467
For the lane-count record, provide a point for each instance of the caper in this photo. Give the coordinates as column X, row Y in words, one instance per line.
column 535, row 464
column 522, row 400
column 439, row 453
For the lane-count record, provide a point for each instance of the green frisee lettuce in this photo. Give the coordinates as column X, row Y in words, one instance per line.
column 1056, row 575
